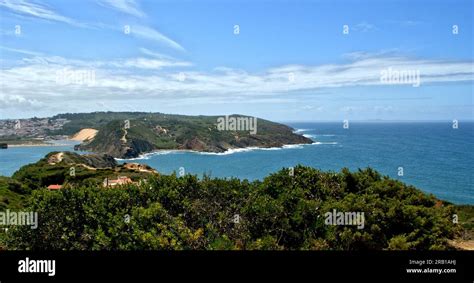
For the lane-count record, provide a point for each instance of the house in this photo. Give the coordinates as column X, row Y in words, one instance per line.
column 121, row 180
column 54, row 187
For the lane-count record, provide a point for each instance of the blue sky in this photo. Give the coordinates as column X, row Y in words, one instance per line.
column 290, row 60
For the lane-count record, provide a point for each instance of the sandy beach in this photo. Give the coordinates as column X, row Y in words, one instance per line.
column 84, row 134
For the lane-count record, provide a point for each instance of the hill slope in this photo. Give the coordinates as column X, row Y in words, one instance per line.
column 91, row 169
column 144, row 132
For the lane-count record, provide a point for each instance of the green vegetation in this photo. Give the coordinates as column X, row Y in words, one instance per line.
column 466, row 220
column 90, row 169
column 12, row 194
column 282, row 212
column 78, row 121
column 153, row 131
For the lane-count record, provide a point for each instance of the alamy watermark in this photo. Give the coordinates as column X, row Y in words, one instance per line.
column 230, row 123
column 393, row 76
column 22, row 218
column 78, row 77
column 37, row 266
column 354, row 218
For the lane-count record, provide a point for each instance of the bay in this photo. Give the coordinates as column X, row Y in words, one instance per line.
column 434, row 157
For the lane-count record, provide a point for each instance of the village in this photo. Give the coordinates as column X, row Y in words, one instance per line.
column 37, row 128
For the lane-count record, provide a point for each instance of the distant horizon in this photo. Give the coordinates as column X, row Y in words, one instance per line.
column 273, row 120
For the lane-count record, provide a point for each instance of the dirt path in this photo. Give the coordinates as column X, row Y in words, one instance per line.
column 124, row 138
column 463, row 245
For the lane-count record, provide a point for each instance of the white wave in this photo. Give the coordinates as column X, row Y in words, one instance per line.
column 227, row 152
column 301, row 130
column 317, row 143
column 289, row 146
column 247, row 149
column 309, row 136
column 148, row 155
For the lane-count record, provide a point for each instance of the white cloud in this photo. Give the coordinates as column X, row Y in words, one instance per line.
column 406, row 23
column 35, row 78
column 313, row 108
column 385, row 108
column 118, row 64
column 17, row 101
column 410, row 23
column 364, row 27
column 154, row 35
column 125, row 6
column 144, row 63
column 155, row 54
column 43, row 12
column 37, row 11
column 21, row 51
column 348, row 109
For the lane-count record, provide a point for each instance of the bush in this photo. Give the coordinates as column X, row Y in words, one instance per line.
column 282, row 212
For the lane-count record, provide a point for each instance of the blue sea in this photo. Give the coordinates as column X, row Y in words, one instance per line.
column 435, row 157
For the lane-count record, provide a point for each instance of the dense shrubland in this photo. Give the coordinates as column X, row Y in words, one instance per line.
column 282, row 212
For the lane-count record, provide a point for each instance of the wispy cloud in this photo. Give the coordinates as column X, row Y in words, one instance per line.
column 410, row 23
column 8, row 33
column 406, row 23
column 42, row 12
column 35, row 10
column 152, row 34
column 359, row 55
column 155, row 54
column 21, row 51
column 364, row 27
column 368, row 108
column 145, row 63
column 118, row 79
column 117, row 64
column 131, row 7
column 125, row 6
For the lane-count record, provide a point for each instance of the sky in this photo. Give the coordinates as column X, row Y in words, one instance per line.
column 278, row 60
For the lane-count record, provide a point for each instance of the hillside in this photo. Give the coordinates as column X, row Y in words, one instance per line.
column 12, row 195
column 129, row 134
column 282, row 212
column 72, row 169
column 154, row 131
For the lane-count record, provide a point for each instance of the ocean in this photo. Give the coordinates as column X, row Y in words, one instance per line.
column 433, row 156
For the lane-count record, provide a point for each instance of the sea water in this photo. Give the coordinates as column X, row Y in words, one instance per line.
column 433, row 156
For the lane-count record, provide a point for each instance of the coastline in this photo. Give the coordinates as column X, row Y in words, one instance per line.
column 147, row 155
column 43, row 144
column 321, row 155
column 30, row 145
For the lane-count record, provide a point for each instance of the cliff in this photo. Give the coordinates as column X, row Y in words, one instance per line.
column 145, row 132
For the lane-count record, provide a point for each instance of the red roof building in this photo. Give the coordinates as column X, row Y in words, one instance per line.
column 54, row 187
